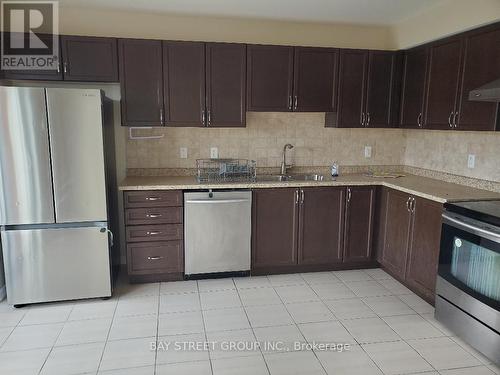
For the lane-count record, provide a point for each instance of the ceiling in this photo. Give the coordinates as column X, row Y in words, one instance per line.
column 370, row 12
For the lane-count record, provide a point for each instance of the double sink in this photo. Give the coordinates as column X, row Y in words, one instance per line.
column 287, row 178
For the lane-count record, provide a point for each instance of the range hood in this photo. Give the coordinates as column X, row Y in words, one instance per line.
column 486, row 93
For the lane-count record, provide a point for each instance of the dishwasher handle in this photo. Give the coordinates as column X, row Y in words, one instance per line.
column 216, row 201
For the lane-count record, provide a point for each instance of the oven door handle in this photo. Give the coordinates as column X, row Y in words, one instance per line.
column 456, row 222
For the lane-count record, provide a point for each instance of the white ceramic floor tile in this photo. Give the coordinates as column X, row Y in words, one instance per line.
column 417, row 303
column 369, row 288
column 240, row 366
column 395, row 287
column 32, row 337
column 220, row 299
column 73, row 359
column 388, row 306
column 179, row 302
column 495, row 369
column 285, row 280
column 127, row 353
column 240, row 343
column 352, row 275
column 212, row 285
column 131, row 327
column 412, row 327
column 266, row 316
column 259, row 296
column 252, row 282
column 294, row 363
column 180, row 323
column 46, row 314
column 378, row 274
column 147, row 305
column 145, row 370
column 430, row 318
column 27, row 362
column 12, row 318
column 319, row 278
column 225, row 319
column 481, row 370
column 279, row 339
column 138, row 290
column 84, row 331
column 327, row 333
column 296, row 293
column 353, row 361
column 443, row 353
column 481, row 357
column 187, row 368
column 396, row 358
column 369, row 330
column 332, row 291
column 4, row 333
column 309, row 312
column 179, row 287
column 93, row 309
column 181, row 348
column 350, row 308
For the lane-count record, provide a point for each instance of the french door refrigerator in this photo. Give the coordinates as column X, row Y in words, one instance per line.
column 53, row 196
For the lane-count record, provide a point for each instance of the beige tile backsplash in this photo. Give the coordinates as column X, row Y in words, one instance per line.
column 315, row 145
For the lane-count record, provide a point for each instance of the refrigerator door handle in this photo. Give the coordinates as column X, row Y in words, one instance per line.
column 111, row 238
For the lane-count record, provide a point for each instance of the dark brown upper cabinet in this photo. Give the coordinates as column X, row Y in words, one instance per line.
column 481, row 65
column 141, row 82
column 443, row 84
column 89, row 59
column 314, row 79
column 184, row 83
column 225, row 84
column 283, row 79
column 358, row 232
column 413, row 89
column 269, row 78
column 368, row 89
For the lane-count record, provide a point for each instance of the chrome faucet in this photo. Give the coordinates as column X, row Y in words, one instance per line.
column 284, row 166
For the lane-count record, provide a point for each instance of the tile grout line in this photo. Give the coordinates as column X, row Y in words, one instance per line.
column 107, row 336
column 157, row 338
column 204, row 327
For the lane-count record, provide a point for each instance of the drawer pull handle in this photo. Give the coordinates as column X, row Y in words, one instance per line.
column 153, row 216
column 153, row 233
column 153, row 198
column 155, row 258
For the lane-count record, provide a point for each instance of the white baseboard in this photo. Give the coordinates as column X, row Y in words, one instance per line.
column 3, row 293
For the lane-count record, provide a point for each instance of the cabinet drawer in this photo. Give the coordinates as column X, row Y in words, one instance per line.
column 146, row 233
column 155, row 257
column 153, row 215
column 152, row 198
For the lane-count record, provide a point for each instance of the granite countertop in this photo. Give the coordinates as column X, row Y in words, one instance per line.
column 424, row 187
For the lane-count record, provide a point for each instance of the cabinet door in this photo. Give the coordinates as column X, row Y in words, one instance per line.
column 380, row 89
column 443, row 83
column 226, row 84
column 42, row 75
column 274, row 227
column 321, row 225
column 482, row 59
column 360, row 206
column 352, row 87
column 314, row 79
column 424, row 246
column 184, row 80
column 141, row 82
column 269, row 78
column 396, row 232
column 89, row 59
column 413, row 91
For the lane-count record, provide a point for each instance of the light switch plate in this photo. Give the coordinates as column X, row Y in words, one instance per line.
column 368, row 152
column 183, row 152
column 214, row 152
column 471, row 161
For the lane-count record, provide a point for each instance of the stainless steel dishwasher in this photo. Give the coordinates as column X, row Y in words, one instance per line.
column 217, row 231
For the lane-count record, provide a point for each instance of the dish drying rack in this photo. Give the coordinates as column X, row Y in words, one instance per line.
column 226, row 170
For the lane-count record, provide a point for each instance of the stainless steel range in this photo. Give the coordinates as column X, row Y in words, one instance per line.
column 468, row 283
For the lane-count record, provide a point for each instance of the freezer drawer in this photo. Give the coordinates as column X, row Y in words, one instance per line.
column 44, row 265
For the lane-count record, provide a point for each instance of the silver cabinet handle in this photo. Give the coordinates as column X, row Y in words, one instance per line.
column 349, row 195
column 153, row 233
column 58, row 68
column 449, row 120
column 153, row 216
column 455, row 120
column 290, row 102
column 419, row 120
column 296, row 197
column 362, row 119
column 153, row 198
column 155, row 258
column 209, row 115
column 413, row 202
column 302, row 196
column 408, row 204
column 368, row 119
column 296, row 102
column 161, row 116
column 65, row 67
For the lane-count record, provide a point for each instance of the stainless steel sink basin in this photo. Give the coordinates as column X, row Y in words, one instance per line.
column 272, row 178
column 307, row 177
column 295, row 177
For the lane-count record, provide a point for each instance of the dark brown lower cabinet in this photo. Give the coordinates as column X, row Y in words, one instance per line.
column 358, row 232
column 411, row 239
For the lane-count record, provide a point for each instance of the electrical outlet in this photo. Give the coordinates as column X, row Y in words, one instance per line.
column 183, row 152
column 214, row 153
column 471, row 161
column 368, row 152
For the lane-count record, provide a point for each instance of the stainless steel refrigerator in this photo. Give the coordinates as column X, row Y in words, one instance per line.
column 54, row 216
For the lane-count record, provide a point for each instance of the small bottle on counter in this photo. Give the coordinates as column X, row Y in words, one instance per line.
column 335, row 169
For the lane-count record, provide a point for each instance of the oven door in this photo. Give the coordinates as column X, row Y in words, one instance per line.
column 469, row 267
